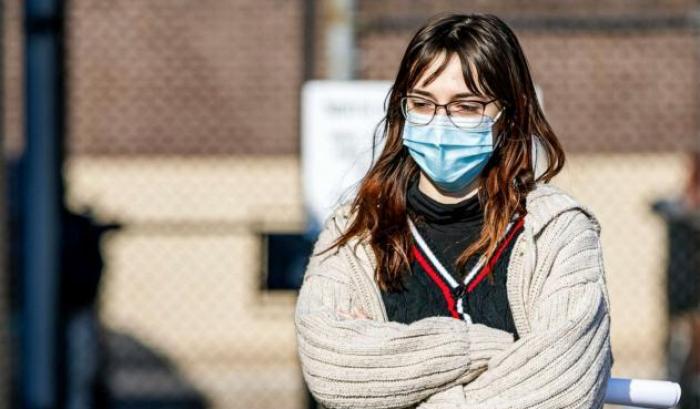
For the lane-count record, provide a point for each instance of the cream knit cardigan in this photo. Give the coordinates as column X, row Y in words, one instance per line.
column 557, row 294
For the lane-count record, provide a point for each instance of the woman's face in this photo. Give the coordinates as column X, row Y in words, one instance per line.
column 450, row 86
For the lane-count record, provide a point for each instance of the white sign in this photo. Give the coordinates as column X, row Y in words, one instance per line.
column 338, row 122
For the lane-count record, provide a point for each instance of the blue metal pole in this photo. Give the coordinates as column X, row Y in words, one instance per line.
column 42, row 195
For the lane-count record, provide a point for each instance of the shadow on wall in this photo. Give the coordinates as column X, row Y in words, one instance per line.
column 98, row 367
column 137, row 377
column 682, row 218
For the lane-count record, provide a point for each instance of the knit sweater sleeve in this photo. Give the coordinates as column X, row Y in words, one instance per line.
column 565, row 360
column 352, row 363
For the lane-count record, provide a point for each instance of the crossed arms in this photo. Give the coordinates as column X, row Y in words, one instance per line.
column 440, row 362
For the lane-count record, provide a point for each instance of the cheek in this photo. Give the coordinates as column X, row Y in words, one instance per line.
column 492, row 111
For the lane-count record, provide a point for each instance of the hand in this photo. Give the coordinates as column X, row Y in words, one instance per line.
column 356, row 313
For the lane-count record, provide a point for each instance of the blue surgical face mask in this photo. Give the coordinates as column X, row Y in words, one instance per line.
column 451, row 157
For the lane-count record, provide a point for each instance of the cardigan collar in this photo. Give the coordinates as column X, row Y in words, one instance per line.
column 547, row 201
column 543, row 204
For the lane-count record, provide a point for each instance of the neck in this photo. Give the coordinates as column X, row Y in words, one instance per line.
column 433, row 192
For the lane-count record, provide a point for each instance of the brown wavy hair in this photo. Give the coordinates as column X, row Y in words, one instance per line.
column 486, row 43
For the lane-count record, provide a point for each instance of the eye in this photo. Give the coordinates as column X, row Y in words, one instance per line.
column 466, row 106
column 420, row 105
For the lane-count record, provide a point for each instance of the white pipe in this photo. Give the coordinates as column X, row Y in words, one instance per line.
column 642, row 393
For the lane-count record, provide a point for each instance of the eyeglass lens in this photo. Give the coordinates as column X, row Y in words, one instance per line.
column 463, row 113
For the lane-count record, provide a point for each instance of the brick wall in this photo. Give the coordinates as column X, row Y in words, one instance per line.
column 614, row 79
column 192, row 78
column 213, row 77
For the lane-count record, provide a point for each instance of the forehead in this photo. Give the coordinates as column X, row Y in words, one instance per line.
column 449, row 78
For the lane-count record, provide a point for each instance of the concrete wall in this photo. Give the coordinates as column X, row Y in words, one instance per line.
column 183, row 275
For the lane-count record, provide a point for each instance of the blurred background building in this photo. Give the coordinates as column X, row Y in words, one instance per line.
column 182, row 128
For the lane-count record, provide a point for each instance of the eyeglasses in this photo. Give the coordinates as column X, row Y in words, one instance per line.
column 464, row 114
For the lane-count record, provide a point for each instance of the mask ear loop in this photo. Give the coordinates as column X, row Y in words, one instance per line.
column 497, row 143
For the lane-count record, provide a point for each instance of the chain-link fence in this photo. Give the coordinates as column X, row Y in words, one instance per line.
column 184, row 127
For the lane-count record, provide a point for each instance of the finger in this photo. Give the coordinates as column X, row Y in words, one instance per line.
column 360, row 313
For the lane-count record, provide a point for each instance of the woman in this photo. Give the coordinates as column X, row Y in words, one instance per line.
column 456, row 278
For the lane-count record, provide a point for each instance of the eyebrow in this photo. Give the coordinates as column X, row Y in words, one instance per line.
column 459, row 95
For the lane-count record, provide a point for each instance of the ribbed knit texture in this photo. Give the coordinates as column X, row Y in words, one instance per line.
column 559, row 301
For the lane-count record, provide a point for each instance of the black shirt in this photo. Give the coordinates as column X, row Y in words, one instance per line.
column 448, row 229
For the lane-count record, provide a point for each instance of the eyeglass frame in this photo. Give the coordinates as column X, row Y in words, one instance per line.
column 402, row 103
